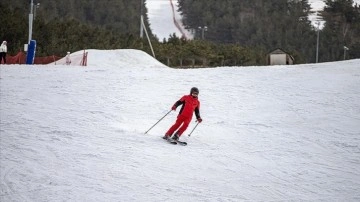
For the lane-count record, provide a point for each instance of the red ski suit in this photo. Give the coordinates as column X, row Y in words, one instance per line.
column 190, row 105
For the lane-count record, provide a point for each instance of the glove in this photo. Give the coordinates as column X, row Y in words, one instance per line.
column 173, row 108
column 199, row 120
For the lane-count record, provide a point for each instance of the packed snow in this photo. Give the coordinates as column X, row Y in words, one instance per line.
column 272, row 133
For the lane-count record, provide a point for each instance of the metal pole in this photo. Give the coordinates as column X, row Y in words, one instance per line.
column 35, row 8
column 141, row 19
column 147, row 35
column 317, row 43
column 193, row 129
column 345, row 49
column 203, row 29
column 200, row 30
column 31, row 19
column 158, row 121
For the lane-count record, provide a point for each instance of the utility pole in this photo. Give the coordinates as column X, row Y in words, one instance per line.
column 141, row 20
column 345, row 49
column 317, row 43
column 31, row 19
column 203, row 29
column 35, row 8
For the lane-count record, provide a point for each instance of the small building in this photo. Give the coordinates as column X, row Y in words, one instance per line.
column 279, row 57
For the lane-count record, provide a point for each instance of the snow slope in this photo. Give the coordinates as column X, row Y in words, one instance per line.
column 319, row 4
column 161, row 18
column 279, row 133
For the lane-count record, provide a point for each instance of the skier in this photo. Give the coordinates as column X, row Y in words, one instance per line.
column 3, row 50
column 190, row 104
column 68, row 60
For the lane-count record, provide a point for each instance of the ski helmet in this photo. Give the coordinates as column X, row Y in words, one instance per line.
column 194, row 90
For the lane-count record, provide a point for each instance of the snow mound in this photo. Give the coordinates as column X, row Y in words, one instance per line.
column 113, row 58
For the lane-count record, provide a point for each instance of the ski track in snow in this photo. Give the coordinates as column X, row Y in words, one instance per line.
column 269, row 133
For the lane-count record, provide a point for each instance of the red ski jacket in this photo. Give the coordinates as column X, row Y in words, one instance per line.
column 190, row 105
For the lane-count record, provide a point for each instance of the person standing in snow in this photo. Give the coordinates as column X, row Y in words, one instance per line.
column 190, row 104
column 3, row 51
column 68, row 60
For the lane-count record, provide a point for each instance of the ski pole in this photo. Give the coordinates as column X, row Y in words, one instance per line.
column 194, row 129
column 158, row 122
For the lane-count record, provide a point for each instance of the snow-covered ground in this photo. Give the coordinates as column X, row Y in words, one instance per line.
column 279, row 133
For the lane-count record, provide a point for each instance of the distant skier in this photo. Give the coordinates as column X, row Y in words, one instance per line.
column 68, row 60
column 3, row 50
column 190, row 104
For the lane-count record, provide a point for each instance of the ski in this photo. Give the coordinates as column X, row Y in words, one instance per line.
column 171, row 141
column 181, row 143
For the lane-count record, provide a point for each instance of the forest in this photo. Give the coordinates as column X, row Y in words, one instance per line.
column 266, row 25
column 239, row 32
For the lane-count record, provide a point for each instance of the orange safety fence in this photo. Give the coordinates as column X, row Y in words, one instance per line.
column 46, row 60
column 20, row 58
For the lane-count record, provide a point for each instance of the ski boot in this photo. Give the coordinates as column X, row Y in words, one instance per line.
column 166, row 137
column 175, row 136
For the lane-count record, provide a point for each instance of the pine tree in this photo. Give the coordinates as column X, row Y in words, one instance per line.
column 341, row 30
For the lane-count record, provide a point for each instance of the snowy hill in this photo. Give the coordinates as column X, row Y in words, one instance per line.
column 113, row 58
column 279, row 133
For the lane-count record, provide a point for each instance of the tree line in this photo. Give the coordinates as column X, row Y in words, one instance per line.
column 239, row 32
column 266, row 25
column 57, row 35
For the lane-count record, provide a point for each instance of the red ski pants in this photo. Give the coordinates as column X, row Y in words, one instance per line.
column 180, row 120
